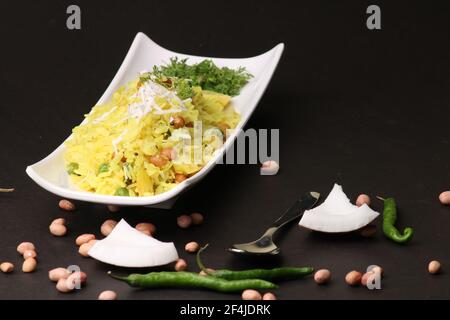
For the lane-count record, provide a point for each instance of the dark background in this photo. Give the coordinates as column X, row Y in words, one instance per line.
column 367, row 109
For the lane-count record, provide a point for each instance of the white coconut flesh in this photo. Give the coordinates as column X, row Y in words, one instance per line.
column 127, row 247
column 337, row 214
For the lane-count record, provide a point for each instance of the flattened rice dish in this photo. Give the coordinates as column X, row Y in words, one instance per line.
column 142, row 141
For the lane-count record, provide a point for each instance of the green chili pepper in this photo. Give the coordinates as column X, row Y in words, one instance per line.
column 171, row 279
column 72, row 167
column 265, row 274
column 389, row 219
column 123, row 192
column 104, row 167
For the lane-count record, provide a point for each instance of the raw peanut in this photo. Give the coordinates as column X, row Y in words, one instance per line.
column 269, row 296
column 6, row 267
column 107, row 227
column 180, row 265
column 84, row 249
column 64, row 286
column 434, row 267
column 58, row 273
column 203, row 273
column 113, row 208
column 367, row 277
column 107, row 295
column 58, row 230
column 67, row 205
column 178, row 122
column 269, row 168
column 197, row 218
column 21, row 248
column 363, row 199
column 251, row 294
column 353, row 278
column 322, row 276
column 368, row 231
column 84, row 238
column 78, row 277
column 147, row 228
column 179, row 177
column 444, row 197
column 184, row 221
column 377, row 269
column 29, row 254
column 59, row 221
column 29, row 265
column 192, row 247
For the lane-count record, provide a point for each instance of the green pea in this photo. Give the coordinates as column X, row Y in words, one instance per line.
column 72, row 167
column 123, row 192
column 104, row 167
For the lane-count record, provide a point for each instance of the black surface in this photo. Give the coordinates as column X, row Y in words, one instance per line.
column 367, row 109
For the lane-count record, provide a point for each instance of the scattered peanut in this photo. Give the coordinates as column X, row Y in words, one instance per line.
column 64, row 286
column 84, row 238
column 269, row 168
column 377, row 269
column 58, row 230
column 180, row 265
column 269, row 296
column 77, row 279
column 251, row 294
column 29, row 254
column 178, row 122
column 58, row 273
column 367, row 278
column 353, row 278
column 59, row 221
column 184, row 221
column 147, row 228
column 67, row 205
column 107, row 227
column 192, row 247
column 29, row 265
column 368, row 231
column 197, row 218
column 107, row 295
column 444, row 197
column 179, row 177
column 6, row 267
column 113, row 208
column 363, row 199
column 322, row 276
column 21, row 248
column 84, row 249
column 434, row 267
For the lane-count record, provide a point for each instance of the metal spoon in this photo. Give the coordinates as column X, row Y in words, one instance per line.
column 265, row 244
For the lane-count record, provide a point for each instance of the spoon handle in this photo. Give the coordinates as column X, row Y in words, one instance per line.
column 305, row 202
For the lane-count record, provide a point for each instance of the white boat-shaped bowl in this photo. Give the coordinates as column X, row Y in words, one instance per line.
column 50, row 172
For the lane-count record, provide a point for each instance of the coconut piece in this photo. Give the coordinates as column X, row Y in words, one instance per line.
column 337, row 214
column 127, row 247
